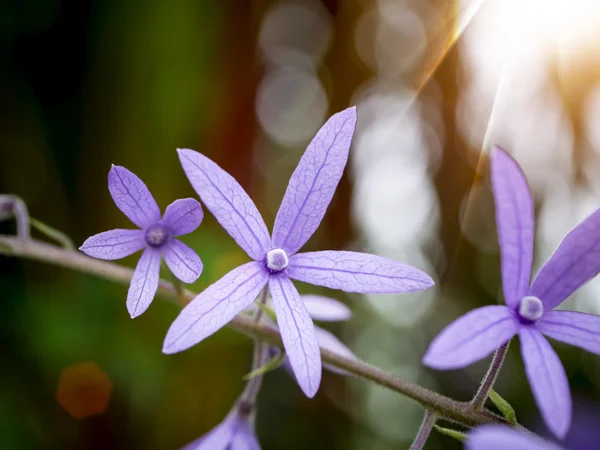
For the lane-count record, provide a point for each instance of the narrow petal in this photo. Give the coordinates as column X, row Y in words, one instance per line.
column 325, row 308
column 499, row 437
column 298, row 334
column 245, row 438
column 330, row 342
column 219, row 438
column 548, row 380
column 144, row 282
column 182, row 261
column 313, row 183
column 228, row 202
column 515, row 222
column 215, row 306
column 183, row 216
column 575, row 328
column 576, row 261
column 357, row 272
column 132, row 196
column 471, row 337
column 114, row 244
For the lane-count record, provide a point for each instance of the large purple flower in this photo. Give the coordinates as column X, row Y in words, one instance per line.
column 156, row 235
column 529, row 311
column 276, row 260
column 500, row 437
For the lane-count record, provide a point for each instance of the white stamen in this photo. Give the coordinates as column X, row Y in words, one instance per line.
column 277, row 259
column 156, row 235
column 531, row 308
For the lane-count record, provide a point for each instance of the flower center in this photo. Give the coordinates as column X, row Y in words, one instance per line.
column 156, row 235
column 531, row 308
column 277, row 260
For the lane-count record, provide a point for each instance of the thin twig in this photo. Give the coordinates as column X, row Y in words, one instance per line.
column 424, row 431
column 460, row 412
column 487, row 384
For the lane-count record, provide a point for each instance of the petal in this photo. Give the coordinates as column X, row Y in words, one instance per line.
column 357, row 272
column 515, row 222
column 183, row 216
column 330, row 342
column 575, row 328
column 499, row 437
column 548, row 380
column 182, row 261
column 471, row 337
column 313, row 183
column 228, row 202
column 114, row 244
column 326, row 308
column 132, row 196
column 144, row 282
column 245, row 438
column 298, row 334
column 219, row 438
column 576, row 261
column 215, row 306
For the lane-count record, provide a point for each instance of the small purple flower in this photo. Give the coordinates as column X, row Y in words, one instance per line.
column 500, row 437
column 276, row 260
column 529, row 311
column 156, row 236
column 236, row 432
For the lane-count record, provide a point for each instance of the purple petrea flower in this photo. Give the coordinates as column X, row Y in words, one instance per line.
column 529, row 311
column 236, row 432
column 500, row 437
column 276, row 260
column 156, row 235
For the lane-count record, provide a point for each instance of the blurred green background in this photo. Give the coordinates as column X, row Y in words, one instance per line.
column 85, row 84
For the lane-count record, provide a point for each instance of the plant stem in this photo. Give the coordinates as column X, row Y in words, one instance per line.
column 450, row 409
column 487, row 384
column 424, row 431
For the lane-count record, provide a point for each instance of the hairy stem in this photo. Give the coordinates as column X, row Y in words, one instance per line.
column 487, row 384
column 424, row 431
column 460, row 412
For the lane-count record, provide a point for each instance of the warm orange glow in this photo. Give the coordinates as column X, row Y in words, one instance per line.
column 84, row 390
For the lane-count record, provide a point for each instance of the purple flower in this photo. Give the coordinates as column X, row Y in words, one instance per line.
column 529, row 311
column 276, row 260
column 156, row 235
column 499, row 437
column 236, row 432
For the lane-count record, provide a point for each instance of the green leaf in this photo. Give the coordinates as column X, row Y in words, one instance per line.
column 268, row 311
column 52, row 233
column 458, row 435
column 271, row 364
column 507, row 411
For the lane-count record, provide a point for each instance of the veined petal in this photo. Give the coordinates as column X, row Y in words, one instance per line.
column 500, row 437
column 215, row 306
column 547, row 379
column 357, row 272
column 219, row 438
column 326, row 309
column 471, row 337
column 114, row 244
column 132, row 197
column 298, row 334
column 228, row 202
column 144, row 282
column 515, row 222
column 575, row 261
column 328, row 341
column 245, row 437
column 575, row 328
column 182, row 261
column 313, row 183
column 183, row 216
